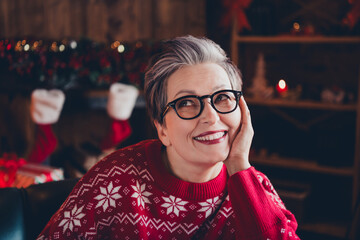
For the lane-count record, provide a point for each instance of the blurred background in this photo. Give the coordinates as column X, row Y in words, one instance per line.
column 300, row 61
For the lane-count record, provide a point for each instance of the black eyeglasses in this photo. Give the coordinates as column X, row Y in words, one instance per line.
column 191, row 106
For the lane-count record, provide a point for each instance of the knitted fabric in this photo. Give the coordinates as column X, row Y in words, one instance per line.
column 130, row 195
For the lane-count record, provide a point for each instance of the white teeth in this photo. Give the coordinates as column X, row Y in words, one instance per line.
column 211, row 137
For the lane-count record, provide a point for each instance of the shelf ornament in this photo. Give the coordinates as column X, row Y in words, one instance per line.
column 259, row 88
column 235, row 10
column 353, row 15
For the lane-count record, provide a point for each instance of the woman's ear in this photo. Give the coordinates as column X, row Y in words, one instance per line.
column 162, row 133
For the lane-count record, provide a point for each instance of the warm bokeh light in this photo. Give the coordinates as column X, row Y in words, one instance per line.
column 121, row 48
column 296, row 26
column 26, row 47
column 73, row 44
column 281, row 87
column 54, row 47
column 282, row 84
column 61, row 47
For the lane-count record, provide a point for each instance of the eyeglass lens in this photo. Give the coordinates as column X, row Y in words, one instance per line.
column 189, row 107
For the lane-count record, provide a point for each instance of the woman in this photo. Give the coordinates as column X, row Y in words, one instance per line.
column 196, row 182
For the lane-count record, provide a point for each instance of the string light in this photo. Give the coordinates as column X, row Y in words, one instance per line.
column 121, row 48
column 139, row 44
column 73, row 44
column 18, row 46
column 61, row 47
column 35, row 45
column 115, row 45
column 54, row 47
column 296, row 27
column 26, row 47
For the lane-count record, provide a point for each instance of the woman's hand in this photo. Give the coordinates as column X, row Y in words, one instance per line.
column 238, row 158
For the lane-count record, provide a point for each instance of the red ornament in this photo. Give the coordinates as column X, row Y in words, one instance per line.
column 353, row 15
column 236, row 10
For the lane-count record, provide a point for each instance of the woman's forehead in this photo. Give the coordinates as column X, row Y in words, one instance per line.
column 197, row 79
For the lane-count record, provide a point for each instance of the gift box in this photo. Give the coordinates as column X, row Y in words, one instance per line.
column 32, row 173
column 9, row 163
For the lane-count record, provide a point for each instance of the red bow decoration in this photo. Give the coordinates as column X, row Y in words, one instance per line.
column 9, row 165
column 235, row 11
column 353, row 15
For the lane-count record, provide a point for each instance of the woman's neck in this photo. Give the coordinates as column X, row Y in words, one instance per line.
column 191, row 173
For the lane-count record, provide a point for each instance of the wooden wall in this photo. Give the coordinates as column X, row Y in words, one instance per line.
column 102, row 20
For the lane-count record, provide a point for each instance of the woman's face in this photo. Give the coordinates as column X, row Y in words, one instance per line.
column 205, row 140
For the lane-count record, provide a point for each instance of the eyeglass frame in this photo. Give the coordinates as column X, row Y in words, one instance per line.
column 172, row 104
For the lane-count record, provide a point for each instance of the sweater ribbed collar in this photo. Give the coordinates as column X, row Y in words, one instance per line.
column 177, row 187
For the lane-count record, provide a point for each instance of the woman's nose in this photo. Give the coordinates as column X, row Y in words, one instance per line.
column 209, row 114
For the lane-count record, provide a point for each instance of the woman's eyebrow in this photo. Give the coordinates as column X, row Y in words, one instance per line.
column 192, row 92
column 219, row 87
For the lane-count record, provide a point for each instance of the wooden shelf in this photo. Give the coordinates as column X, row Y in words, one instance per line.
column 319, row 226
column 295, row 39
column 103, row 94
column 301, row 104
column 300, row 164
column 97, row 93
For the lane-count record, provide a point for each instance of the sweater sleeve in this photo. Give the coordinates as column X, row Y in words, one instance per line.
column 259, row 211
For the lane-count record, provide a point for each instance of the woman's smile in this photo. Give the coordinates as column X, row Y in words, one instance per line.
column 211, row 137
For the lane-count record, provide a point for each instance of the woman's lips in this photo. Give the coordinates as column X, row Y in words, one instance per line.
column 211, row 137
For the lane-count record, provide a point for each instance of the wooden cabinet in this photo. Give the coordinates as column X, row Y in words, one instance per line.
column 345, row 179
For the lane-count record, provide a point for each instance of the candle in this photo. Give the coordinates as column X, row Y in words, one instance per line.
column 282, row 87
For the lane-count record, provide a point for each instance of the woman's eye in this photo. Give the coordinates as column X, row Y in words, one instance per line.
column 222, row 97
column 185, row 103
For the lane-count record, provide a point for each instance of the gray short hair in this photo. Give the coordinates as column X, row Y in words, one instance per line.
column 174, row 54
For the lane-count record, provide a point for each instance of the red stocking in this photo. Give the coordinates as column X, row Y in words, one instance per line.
column 45, row 143
column 118, row 132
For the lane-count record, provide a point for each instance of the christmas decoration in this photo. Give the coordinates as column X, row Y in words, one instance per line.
column 118, row 132
column 282, row 88
column 30, row 173
column 72, row 65
column 46, row 105
column 235, row 9
column 9, row 164
column 121, row 102
column 260, row 88
column 45, row 143
column 333, row 95
column 353, row 15
column 45, row 109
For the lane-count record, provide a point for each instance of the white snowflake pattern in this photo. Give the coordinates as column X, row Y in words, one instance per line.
column 209, row 206
column 140, row 194
column 174, row 205
column 72, row 218
column 108, row 196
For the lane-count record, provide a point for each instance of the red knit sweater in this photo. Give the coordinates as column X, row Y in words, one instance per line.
column 130, row 195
